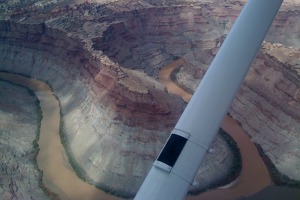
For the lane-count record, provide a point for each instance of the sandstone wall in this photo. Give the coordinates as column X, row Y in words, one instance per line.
column 108, row 128
column 19, row 124
column 267, row 107
column 115, row 120
column 267, row 103
column 102, row 61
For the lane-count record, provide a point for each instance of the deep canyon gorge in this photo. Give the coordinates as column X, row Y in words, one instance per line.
column 102, row 60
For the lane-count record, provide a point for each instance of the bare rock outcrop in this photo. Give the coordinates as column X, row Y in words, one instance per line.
column 102, row 59
column 117, row 123
column 267, row 104
column 267, row 107
column 116, row 114
column 20, row 178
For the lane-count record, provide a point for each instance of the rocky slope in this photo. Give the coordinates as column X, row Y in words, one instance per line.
column 20, row 178
column 270, row 110
column 102, row 60
column 116, row 114
column 267, row 104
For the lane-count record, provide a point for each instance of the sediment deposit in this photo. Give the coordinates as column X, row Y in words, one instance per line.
column 102, row 61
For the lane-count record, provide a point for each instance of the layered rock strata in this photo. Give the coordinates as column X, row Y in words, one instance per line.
column 116, row 114
column 270, row 112
column 102, row 60
column 19, row 128
column 93, row 129
column 267, row 104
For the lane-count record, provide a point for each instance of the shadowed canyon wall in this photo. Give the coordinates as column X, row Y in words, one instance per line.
column 115, row 120
column 19, row 126
column 102, row 62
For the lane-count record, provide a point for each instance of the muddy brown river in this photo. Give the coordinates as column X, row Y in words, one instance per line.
column 58, row 175
column 254, row 175
column 60, row 178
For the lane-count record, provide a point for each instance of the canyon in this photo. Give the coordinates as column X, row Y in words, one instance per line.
column 102, row 58
column 19, row 124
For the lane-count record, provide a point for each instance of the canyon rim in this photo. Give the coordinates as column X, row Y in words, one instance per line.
column 102, row 58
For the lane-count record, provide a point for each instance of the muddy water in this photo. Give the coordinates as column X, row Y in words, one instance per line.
column 254, row 175
column 57, row 174
column 60, row 178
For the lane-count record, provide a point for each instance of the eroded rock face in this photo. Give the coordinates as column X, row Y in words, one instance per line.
column 123, row 116
column 115, row 119
column 148, row 39
column 20, row 178
column 268, row 102
column 101, row 119
column 102, row 60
